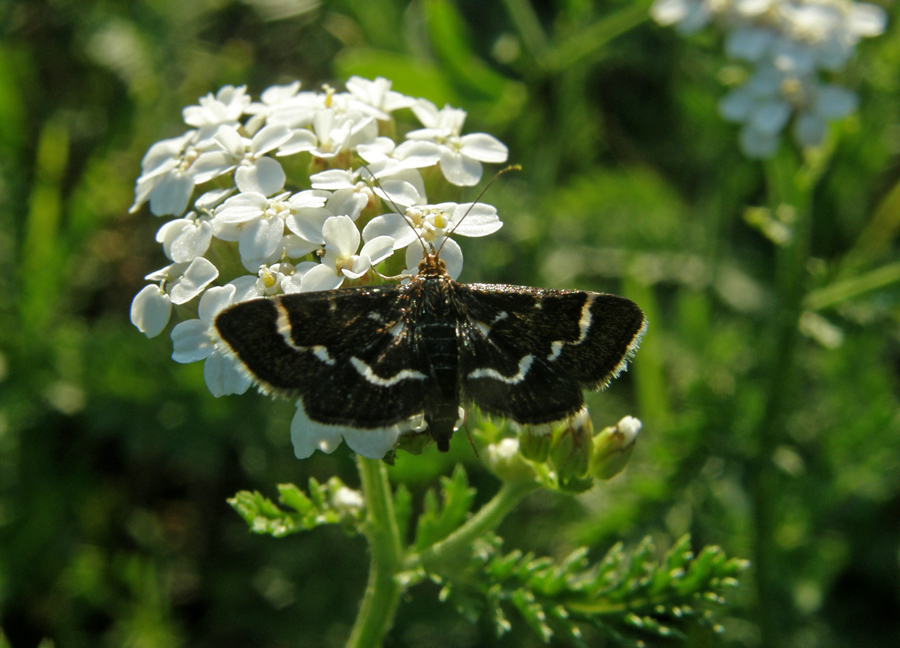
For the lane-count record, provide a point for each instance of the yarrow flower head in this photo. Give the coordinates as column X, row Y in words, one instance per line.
column 255, row 232
column 794, row 46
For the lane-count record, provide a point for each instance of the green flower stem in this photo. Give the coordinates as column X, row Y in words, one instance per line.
column 487, row 519
column 383, row 590
column 791, row 186
column 846, row 289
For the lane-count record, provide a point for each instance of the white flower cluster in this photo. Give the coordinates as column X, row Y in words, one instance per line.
column 792, row 45
column 254, row 232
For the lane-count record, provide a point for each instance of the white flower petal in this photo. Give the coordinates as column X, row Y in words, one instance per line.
column 833, row 101
column 296, row 247
column 476, row 220
column 378, row 150
column 308, row 223
column 378, row 249
column 756, row 144
column 307, row 436
column 223, row 376
column 629, row 427
column 341, row 236
column 332, row 179
column 393, row 225
column 867, row 19
column 322, row 277
column 460, row 170
column 347, row 202
column 245, row 288
column 230, row 140
column 161, row 157
column 770, row 117
column 191, row 341
column 191, row 242
column 269, row 138
column 292, row 284
column 373, row 444
column 214, row 301
column 210, row 165
column 749, row 43
column 418, row 153
column 150, row 310
column 809, row 129
column 426, row 112
column 265, row 176
column 737, row 105
column 396, row 191
column 309, row 198
column 172, row 194
column 242, row 208
column 484, row 148
column 669, row 12
column 302, row 139
column 199, row 274
column 261, row 238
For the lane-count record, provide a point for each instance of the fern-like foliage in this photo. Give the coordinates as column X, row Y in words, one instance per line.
column 626, row 594
column 321, row 504
column 630, row 595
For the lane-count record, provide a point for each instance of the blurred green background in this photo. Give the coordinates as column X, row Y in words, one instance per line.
column 782, row 446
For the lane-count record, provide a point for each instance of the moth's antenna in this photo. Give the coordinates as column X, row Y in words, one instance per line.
column 393, row 204
column 511, row 167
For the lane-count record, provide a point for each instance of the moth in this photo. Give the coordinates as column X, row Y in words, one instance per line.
column 372, row 357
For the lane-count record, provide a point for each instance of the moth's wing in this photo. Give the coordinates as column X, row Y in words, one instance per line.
column 347, row 354
column 530, row 352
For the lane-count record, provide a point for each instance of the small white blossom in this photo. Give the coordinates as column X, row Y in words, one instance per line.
column 184, row 281
column 261, row 223
column 332, row 132
column 223, row 109
column 185, row 239
column 688, row 16
column 271, row 100
column 792, row 44
column 164, row 180
column 278, row 278
column 178, row 283
column 150, row 310
column 347, row 499
column 253, row 169
column 460, row 155
column 629, row 426
column 376, row 97
column 340, row 259
column 431, row 223
column 197, row 339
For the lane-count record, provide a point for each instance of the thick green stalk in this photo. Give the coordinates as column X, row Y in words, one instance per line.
column 789, row 187
column 383, row 591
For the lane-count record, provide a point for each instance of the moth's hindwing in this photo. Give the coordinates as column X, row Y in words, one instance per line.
column 347, row 354
column 529, row 352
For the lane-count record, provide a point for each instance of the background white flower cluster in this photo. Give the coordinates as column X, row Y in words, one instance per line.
column 794, row 47
column 299, row 191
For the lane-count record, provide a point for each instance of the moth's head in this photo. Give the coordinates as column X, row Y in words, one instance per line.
column 432, row 264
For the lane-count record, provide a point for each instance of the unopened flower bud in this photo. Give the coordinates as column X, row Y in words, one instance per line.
column 349, row 504
column 507, row 462
column 612, row 448
column 535, row 446
column 571, row 451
